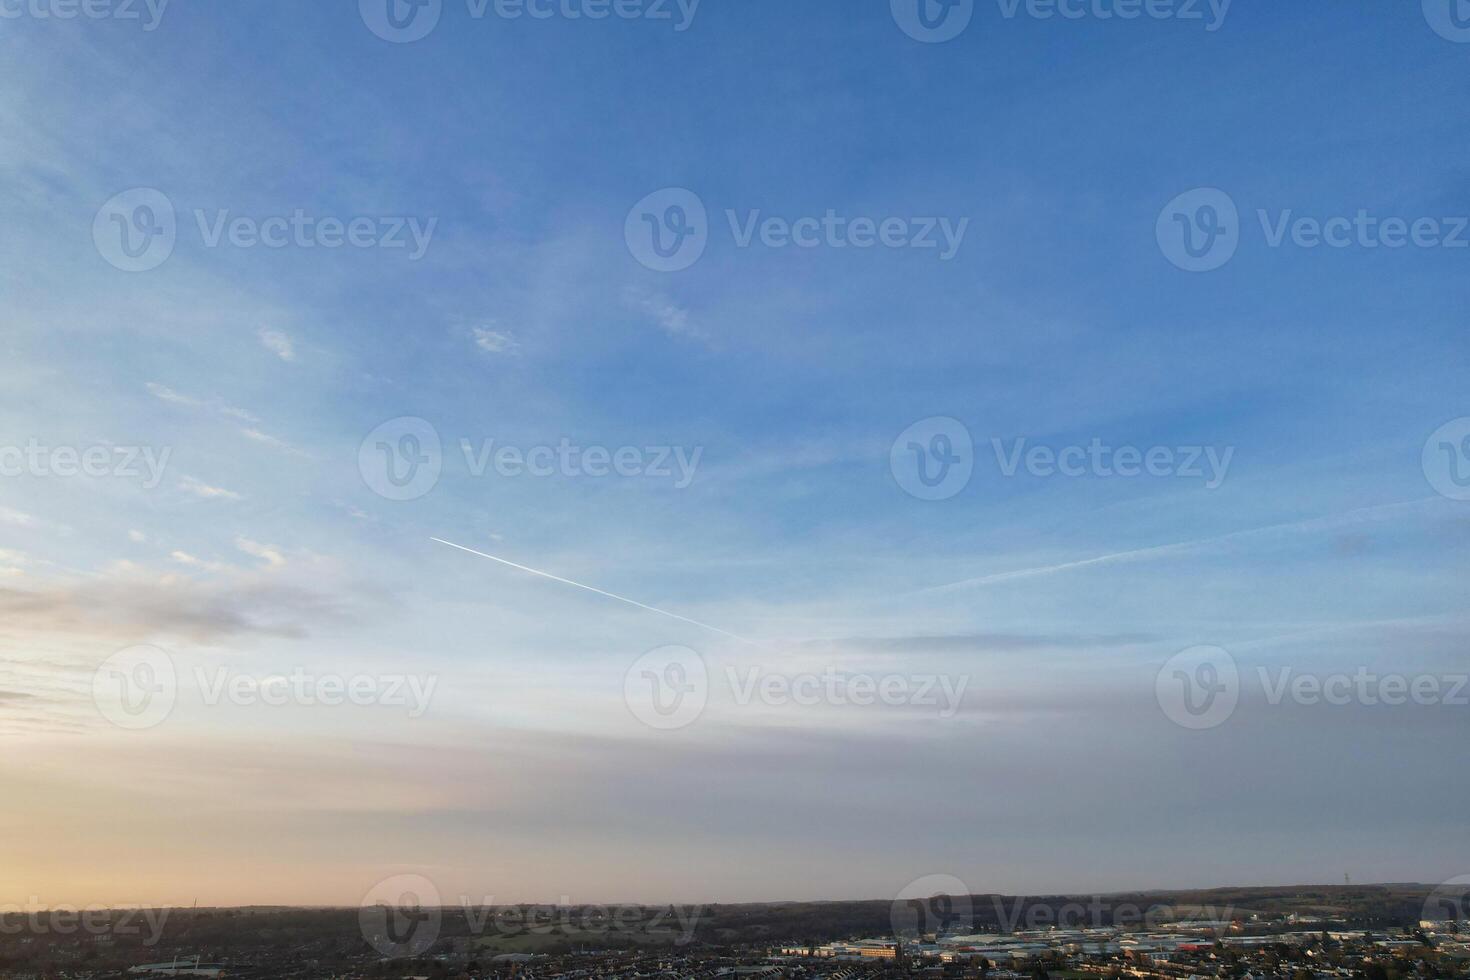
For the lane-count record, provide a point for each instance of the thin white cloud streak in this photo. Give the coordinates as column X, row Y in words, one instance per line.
column 1402, row 625
column 184, row 558
column 16, row 518
column 601, row 592
column 494, row 341
column 1331, row 521
column 267, row 553
column 266, row 439
column 279, row 344
column 201, row 489
column 172, row 397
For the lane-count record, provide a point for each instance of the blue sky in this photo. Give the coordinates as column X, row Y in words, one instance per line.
column 528, row 320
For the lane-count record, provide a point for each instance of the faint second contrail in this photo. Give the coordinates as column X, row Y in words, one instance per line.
column 1328, row 522
column 610, row 595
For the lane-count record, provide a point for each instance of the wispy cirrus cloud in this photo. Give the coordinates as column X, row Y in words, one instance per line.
column 250, row 429
column 278, row 343
column 207, row 491
column 270, row 554
column 991, row 642
column 184, row 558
column 16, row 518
column 494, row 341
column 266, row 439
column 1327, row 523
column 666, row 314
column 137, row 607
column 166, row 394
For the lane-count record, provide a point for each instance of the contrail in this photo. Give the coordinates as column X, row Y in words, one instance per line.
column 610, row 595
column 1162, row 549
column 1328, row 522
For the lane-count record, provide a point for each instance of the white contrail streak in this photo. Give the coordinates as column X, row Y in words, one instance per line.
column 1331, row 521
column 601, row 592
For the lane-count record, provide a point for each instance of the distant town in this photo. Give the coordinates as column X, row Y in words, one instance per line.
column 1379, row 932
